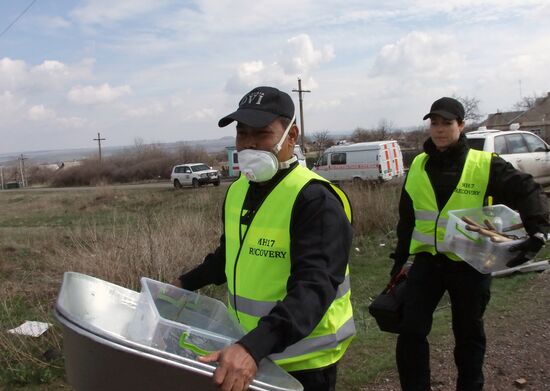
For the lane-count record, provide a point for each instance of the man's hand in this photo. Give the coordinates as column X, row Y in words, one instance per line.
column 236, row 368
column 397, row 265
column 176, row 282
column 526, row 250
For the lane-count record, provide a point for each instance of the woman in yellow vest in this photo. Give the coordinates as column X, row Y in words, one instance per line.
column 447, row 176
column 284, row 254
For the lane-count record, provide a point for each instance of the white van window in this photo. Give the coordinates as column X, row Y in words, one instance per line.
column 338, row 158
column 323, row 160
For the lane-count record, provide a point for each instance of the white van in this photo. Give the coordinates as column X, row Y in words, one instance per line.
column 358, row 162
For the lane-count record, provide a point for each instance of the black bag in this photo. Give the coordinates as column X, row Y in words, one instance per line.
column 387, row 307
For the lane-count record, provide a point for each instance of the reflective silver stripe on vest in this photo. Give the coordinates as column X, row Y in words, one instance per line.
column 260, row 308
column 423, row 238
column 429, row 239
column 425, row 215
column 343, row 288
column 315, row 344
column 251, row 307
column 429, row 215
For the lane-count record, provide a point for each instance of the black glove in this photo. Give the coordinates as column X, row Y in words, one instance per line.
column 526, row 250
column 397, row 265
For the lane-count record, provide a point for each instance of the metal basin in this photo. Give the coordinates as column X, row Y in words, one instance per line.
column 96, row 315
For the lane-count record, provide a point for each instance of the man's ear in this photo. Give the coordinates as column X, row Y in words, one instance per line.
column 293, row 133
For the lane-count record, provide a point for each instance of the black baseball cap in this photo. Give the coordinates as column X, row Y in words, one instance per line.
column 448, row 108
column 260, row 107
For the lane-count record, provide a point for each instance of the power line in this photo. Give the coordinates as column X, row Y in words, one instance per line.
column 19, row 17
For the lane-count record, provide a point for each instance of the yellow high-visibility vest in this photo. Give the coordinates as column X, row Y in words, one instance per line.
column 258, row 267
column 430, row 223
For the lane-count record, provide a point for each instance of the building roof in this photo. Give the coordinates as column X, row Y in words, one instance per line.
column 539, row 113
column 501, row 118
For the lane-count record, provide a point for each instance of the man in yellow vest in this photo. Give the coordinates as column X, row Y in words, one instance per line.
column 284, row 254
column 449, row 176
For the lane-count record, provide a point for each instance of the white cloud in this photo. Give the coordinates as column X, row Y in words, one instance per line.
column 145, row 111
column 12, row 73
column 53, row 22
column 200, row 115
column 297, row 58
column 40, row 113
column 420, row 55
column 10, row 105
column 50, row 74
column 103, row 93
column 300, row 56
column 104, row 11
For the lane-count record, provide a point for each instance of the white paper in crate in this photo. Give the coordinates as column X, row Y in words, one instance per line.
column 478, row 250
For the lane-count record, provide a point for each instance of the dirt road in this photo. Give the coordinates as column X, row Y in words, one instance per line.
column 518, row 349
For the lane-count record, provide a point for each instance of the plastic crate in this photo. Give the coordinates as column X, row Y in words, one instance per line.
column 476, row 249
column 181, row 322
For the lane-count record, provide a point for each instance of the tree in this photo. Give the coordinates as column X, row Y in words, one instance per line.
column 526, row 103
column 384, row 130
column 471, row 108
column 322, row 141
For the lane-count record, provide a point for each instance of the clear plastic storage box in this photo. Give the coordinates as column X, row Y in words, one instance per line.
column 477, row 249
column 182, row 322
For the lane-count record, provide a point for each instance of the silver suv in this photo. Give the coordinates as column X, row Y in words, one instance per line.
column 526, row 151
column 194, row 174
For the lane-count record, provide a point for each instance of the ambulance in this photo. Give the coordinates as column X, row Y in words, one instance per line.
column 375, row 161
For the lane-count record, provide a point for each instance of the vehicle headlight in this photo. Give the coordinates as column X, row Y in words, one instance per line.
column 204, row 175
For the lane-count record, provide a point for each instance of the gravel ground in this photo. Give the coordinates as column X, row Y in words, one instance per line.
column 518, row 348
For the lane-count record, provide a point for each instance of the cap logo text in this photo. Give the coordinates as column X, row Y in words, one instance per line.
column 252, row 98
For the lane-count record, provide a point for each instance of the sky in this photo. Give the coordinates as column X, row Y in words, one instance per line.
column 153, row 71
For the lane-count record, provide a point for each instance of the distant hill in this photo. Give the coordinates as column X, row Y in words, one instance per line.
column 63, row 155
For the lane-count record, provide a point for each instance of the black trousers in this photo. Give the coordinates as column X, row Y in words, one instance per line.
column 323, row 379
column 469, row 291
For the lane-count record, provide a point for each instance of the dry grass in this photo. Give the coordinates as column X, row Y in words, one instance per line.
column 118, row 236
column 374, row 207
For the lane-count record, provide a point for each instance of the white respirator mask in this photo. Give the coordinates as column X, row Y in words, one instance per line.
column 261, row 166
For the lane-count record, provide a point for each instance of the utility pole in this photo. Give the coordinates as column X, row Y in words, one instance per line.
column 99, row 139
column 22, row 170
column 1, row 177
column 302, row 129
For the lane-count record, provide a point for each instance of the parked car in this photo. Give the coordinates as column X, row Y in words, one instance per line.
column 375, row 161
column 526, row 151
column 194, row 174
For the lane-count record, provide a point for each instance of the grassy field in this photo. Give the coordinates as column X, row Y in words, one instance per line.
column 120, row 235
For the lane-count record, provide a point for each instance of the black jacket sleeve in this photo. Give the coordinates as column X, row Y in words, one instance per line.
column 405, row 227
column 519, row 191
column 321, row 238
column 210, row 271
